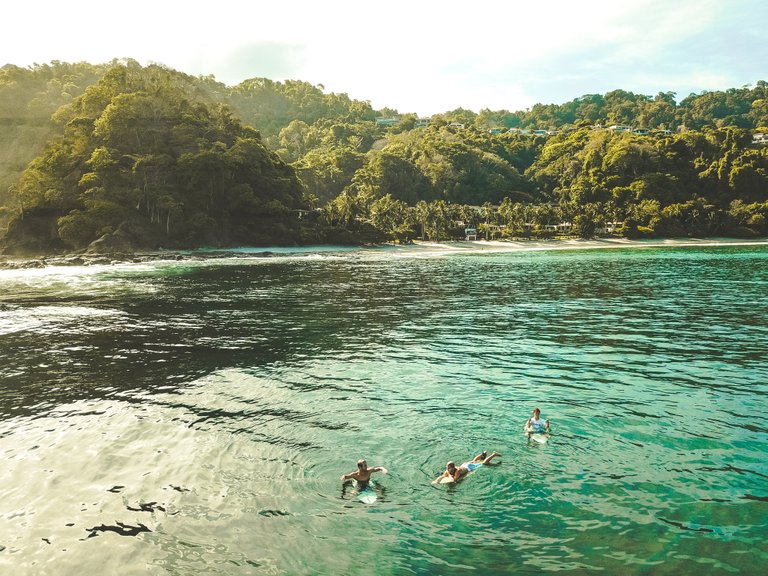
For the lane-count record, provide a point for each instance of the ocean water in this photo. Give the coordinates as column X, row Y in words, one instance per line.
column 194, row 417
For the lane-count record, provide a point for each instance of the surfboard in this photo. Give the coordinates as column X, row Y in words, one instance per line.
column 368, row 494
column 540, row 437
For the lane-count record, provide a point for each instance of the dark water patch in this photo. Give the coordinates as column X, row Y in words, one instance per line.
column 756, row 498
column 731, row 468
column 118, row 528
column 272, row 513
column 684, row 527
column 146, row 507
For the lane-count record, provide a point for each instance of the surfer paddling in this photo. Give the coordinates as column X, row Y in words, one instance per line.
column 363, row 474
column 455, row 473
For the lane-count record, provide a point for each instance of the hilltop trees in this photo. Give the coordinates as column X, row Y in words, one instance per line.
column 136, row 149
column 157, row 157
column 271, row 106
column 28, row 98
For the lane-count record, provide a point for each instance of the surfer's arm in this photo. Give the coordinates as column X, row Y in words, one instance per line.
column 378, row 469
column 350, row 476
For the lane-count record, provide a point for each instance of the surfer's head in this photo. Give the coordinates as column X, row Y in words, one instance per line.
column 450, row 467
column 362, row 464
column 536, row 413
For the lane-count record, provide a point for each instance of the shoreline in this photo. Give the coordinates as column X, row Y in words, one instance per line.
column 417, row 246
column 595, row 243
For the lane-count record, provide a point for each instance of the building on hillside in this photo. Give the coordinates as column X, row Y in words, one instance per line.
column 609, row 227
column 760, row 138
column 387, row 121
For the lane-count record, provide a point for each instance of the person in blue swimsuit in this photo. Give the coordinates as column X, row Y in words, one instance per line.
column 456, row 473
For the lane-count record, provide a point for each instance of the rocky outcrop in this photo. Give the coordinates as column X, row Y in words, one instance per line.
column 130, row 236
column 33, row 234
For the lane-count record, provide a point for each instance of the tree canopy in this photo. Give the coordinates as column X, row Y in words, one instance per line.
column 143, row 147
column 91, row 152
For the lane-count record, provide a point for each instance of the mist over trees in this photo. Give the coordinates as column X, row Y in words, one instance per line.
column 121, row 156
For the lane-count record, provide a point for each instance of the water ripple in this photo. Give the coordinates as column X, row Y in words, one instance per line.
column 199, row 415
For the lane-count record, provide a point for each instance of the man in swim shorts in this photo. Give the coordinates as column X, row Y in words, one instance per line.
column 458, row 472
column 363, row 474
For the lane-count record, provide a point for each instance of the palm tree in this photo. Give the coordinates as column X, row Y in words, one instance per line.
column 422, row 213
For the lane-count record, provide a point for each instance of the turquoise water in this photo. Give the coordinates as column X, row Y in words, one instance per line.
column 194, row 417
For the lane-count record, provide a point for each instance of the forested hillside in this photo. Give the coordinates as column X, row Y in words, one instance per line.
column 28, row 98
column 145, row 158
column 120, row 156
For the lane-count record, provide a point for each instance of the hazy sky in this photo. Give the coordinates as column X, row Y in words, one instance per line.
column 418, row 56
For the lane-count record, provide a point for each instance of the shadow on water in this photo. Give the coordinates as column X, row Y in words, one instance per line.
column 168, row 330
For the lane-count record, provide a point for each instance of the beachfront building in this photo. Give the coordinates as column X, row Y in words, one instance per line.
column 609, row 228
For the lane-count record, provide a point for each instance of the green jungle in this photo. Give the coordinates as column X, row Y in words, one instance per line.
column 120, row 157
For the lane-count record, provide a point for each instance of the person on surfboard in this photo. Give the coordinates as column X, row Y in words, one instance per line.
column 535, row 424
column 363, row 474
column 456, row 473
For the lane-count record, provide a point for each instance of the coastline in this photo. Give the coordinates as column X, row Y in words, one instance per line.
column 417, row 246
column 581, row 244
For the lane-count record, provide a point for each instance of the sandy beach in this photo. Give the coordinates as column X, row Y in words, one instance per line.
column 579, row 244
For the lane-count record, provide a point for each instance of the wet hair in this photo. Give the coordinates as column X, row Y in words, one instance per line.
column 450, row 464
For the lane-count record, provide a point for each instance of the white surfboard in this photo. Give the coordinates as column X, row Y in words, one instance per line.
column 367, row 495
column 539, row 437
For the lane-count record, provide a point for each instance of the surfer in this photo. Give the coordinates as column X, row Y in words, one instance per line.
column 362, row 474
column 535, row 424
column 455, row 473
